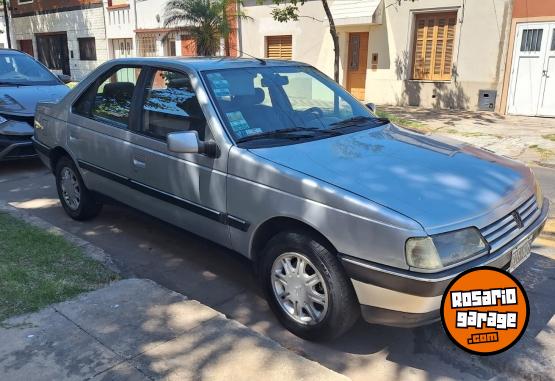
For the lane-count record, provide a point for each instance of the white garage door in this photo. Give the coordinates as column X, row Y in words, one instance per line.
column 532, row 86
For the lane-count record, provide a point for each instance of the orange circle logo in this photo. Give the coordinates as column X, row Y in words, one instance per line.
column 485, row 310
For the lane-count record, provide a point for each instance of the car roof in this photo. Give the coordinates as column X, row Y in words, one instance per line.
column 7, row 50
column 207, row 63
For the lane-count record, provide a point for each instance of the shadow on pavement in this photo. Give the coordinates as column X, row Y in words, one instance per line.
column 215, row 276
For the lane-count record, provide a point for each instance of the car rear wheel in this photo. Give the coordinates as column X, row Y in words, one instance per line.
column 306, row 287
column 78, row 202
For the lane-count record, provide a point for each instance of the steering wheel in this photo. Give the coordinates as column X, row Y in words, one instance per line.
column 315, row 112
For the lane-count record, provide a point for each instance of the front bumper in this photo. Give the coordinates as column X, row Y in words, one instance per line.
column 13, row 147
column 402, row 298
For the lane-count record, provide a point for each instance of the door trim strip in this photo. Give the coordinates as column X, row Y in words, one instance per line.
column 212, row 214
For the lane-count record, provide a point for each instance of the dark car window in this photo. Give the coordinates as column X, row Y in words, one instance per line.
column 22, row 70
column 171, row 105
column 109, row 98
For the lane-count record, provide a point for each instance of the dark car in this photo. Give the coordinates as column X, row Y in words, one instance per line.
column 23, row 83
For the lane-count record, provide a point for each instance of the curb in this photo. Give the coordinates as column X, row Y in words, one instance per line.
column 90, row 250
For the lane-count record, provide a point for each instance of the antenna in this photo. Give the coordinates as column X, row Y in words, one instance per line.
column 262, row 61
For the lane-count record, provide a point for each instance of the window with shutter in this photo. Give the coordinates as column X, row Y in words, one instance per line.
column 279, row 47
column 433, row 46
column 87, row 49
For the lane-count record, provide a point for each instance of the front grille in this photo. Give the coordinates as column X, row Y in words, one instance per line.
column 507, row 228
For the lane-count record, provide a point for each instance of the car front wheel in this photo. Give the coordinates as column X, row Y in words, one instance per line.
column 78, row 202
column 307, row 288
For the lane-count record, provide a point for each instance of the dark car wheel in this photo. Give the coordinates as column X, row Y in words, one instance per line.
column 78, row 202
column 307, row 287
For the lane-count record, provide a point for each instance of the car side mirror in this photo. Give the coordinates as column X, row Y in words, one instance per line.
column 188, row 142
column 64, row 78
column 371, row 106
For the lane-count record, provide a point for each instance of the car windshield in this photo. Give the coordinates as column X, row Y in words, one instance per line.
column 285, row 103
column 21, row 70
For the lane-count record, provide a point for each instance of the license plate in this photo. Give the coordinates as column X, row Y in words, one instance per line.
column 520, row 254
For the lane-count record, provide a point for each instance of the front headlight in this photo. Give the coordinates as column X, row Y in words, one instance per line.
column 539, row 195
column 443, row 250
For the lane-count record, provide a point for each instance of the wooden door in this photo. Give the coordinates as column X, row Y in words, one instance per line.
column 26, row 46
column 357, row 64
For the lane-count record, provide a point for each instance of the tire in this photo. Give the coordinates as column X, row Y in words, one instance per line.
column 69, row 183
column 328, row 320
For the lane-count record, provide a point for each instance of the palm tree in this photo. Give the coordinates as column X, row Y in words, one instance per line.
column 206, row 21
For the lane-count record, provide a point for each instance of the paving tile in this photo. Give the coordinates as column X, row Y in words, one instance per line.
column 122, row 372
column 223, row 349
column 133, row 315
column 46, row 346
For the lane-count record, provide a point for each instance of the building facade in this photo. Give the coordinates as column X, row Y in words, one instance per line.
column 69, row 36
column 455, row 54
column 75, row 36
column 529, row 81
column 428, row 53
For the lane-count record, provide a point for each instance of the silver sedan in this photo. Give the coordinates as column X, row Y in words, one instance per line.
column 343, row 213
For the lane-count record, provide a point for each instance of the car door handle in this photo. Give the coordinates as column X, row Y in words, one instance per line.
column 139, row 163
column 73, row 138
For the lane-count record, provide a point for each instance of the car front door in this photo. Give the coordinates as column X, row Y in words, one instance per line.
column 188, row 190
column 98, row 131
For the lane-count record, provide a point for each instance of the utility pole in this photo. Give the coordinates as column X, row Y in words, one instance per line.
column 7, row 21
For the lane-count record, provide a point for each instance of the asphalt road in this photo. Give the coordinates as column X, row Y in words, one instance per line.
column 148, row 248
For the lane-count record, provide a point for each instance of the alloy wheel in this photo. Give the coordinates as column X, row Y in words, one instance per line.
column 299, row 288
column 71, row 190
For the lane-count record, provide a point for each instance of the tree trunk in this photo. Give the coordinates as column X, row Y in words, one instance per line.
column 335, row 38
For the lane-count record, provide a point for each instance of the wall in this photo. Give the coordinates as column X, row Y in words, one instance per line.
column 78, row 23
column 480, row 48
column 479, row 54
column 312, row 42
column 533, row 8
column 41, row 6
column 3, row 35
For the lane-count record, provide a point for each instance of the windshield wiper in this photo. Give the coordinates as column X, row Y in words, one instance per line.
column 288, row 133
column 360, row 121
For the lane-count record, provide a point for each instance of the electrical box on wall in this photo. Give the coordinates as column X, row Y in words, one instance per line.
column 486, row 100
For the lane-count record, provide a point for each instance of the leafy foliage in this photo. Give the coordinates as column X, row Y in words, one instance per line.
column 205, row 21
column 288, row 9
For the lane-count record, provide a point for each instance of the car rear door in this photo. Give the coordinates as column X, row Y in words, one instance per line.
column 98, row 131
column 188, row 190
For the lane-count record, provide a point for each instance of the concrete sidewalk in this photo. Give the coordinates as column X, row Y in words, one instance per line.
column 137, row 330
column 528, row 139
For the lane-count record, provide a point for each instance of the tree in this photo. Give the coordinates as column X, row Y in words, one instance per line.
column 206, row 21
column 289, row 11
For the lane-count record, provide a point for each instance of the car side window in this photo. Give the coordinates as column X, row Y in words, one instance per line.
column 109, row 98
column 171, row 105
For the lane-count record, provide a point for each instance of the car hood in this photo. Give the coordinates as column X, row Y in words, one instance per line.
column 435, row 181
column 27, row 97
